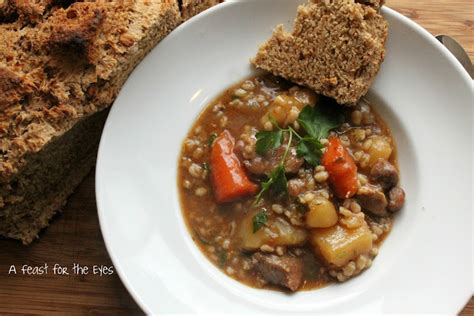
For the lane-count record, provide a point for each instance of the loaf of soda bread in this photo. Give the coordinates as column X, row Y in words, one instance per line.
column 336, row 48
column 62, row 63
column 376, row 4
column 190, row 8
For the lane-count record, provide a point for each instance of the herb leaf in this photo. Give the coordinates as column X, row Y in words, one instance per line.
column 318, row 121
column 222, row 256
column 310, row 149
column 279, row 183
column 201, row 239
column 259, row 220
column 265, row 187
column 276, row 182
column 211, row 139
column 267, row 140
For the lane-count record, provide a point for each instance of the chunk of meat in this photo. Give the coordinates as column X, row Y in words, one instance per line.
column 293, row 163
column 296, row 186
column 286, row 271
column 396, row 199
column 373, row 200
column 265, row 165
column 384, row 173
column 257, row 165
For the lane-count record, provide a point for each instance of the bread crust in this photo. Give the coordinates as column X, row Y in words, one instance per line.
column 376, row 4
column 190, row 8
column 61, row 65
column 56, row 71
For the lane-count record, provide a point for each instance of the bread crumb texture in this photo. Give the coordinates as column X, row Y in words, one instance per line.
column 192, row 7
column 61, row 63
column 67, row 65
column 336, row 48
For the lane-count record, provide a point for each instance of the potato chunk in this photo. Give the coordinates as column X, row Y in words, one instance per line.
column 276, row 232
column 284, row 109
column 380, row 148
column 304, row 95
column 322, row 213
column 251, row 240
column 338, row 244
column 288, row 235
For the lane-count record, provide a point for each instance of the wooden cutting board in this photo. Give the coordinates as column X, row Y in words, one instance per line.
column 74, row 236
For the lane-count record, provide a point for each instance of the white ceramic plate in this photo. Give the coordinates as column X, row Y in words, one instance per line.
column 421, row 91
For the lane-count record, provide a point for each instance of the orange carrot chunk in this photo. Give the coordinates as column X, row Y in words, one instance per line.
column 229, row 180
column 341, row 168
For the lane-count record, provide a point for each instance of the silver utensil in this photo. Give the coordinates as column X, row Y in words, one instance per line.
column 458, row 51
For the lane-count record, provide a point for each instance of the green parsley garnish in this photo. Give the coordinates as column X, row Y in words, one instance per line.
column 259, row 220
column 222, row 256
column 316, row 122
column 267, row 140
column 211, row 139
column 310, row 149
column 201, row 239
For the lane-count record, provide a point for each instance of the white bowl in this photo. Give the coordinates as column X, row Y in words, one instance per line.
column 421, row 91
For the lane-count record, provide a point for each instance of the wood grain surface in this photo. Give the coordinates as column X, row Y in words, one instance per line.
column 449, row 17
column 74, row 236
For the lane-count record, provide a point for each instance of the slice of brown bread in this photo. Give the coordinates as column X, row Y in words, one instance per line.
column 59, row 73
column 190, row 8
column 336, row 49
